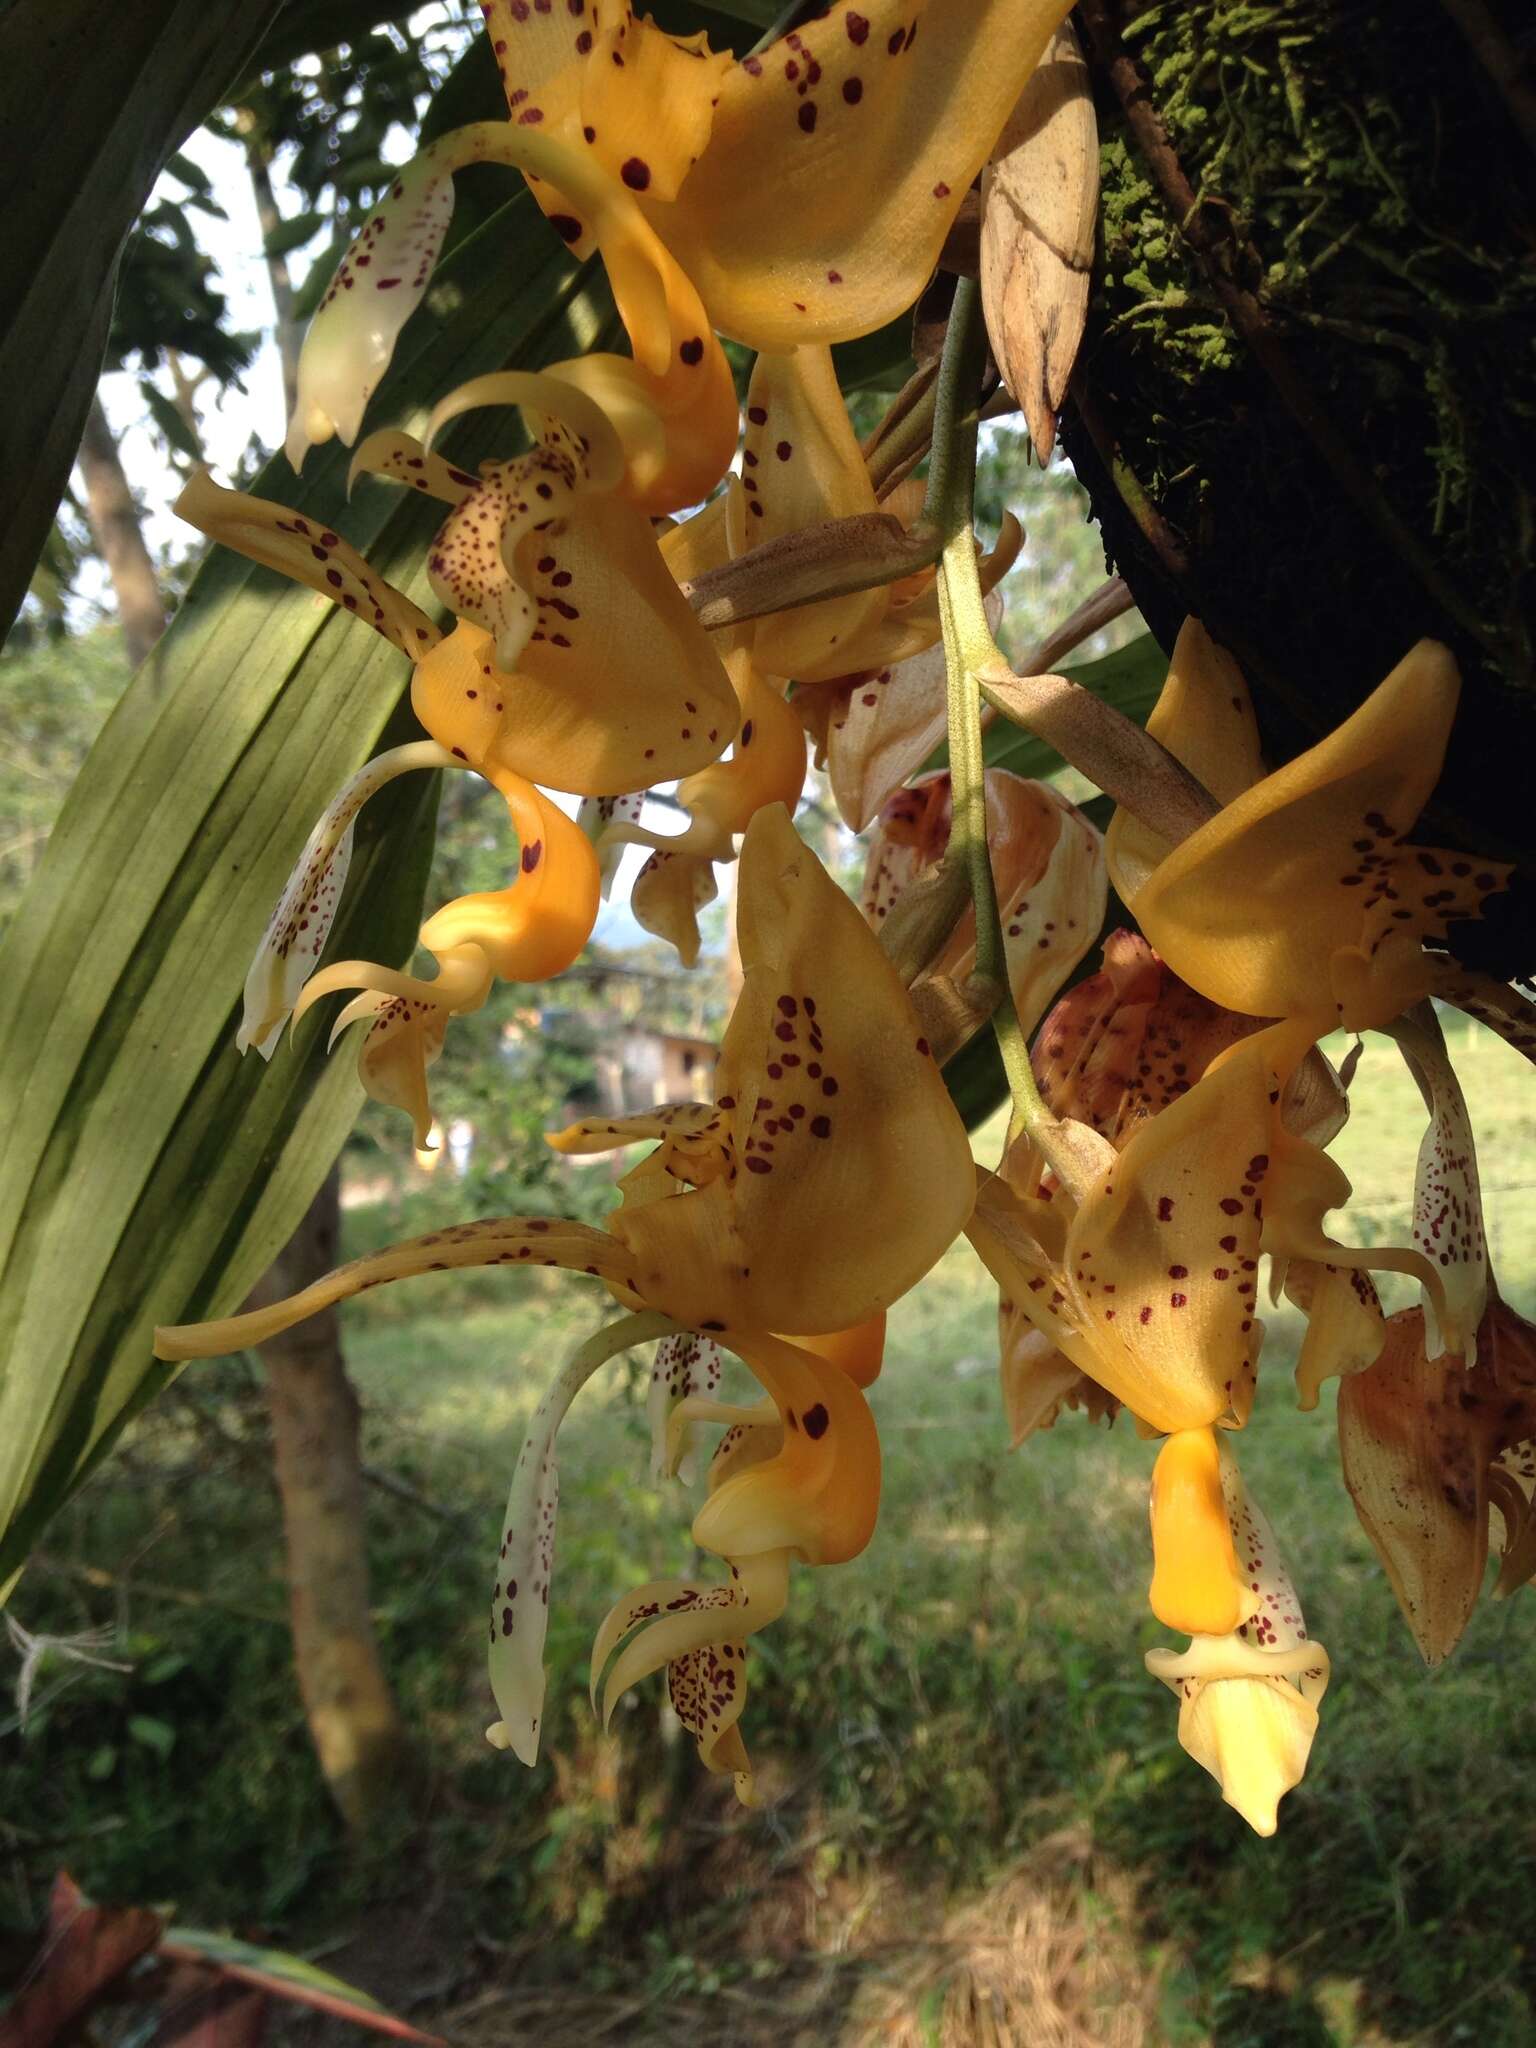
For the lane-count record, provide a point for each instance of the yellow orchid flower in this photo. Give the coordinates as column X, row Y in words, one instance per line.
column 1248, row 1695
column 828, row 1175
column 1428, row 1444
column 652, row 149
column 1144, row 1273
column 1303, row 897
column 794, row 1477
column 1117, row 1049
column 1049, row 870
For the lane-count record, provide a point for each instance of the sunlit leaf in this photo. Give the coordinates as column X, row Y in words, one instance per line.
column 147, row 1173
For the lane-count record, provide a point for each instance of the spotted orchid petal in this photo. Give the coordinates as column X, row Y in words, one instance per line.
column 673, row 404
column 308, row 553
column 616, row 685
column 493, row 1241
column 1204, row 717
column 1161, row 1257
column 407, row 1018
column 1346, row 1329
column 1302, row 897
column 883, row 725
column 595, row 815
column 641, row 101
column 875, row 120
column 1049, row 870
column 838, row 1128
column 1447, row 1201
column 525, row 1563
column 1423, row 1442
column 399, row 458
column 301, row 922
column 684, row 1375
column 1248, row 1700
column 801, row 464
column 667, row 895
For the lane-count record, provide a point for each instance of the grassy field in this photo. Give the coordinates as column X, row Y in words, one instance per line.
column 979, row 1826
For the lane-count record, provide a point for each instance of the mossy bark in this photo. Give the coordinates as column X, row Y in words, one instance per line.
column 1305, row 406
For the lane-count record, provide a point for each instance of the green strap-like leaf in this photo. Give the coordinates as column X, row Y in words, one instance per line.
column 147, row 1173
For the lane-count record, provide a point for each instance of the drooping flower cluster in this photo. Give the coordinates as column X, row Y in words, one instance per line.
column 1179, row 1135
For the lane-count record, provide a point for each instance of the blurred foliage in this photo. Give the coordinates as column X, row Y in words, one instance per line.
column 54, row 698
column 167, row 292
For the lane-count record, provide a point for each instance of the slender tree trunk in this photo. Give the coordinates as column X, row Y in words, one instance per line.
column 356, row 1727
column 258, row 164
column 114, row 522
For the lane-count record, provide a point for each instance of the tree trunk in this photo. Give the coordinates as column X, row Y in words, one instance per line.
column 114, row 522
column 257, row 163
column 356, row 1727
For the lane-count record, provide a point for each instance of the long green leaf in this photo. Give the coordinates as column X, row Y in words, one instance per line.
column 146, row 1172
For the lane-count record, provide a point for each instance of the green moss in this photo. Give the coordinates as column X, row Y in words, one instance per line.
column 1381, row 212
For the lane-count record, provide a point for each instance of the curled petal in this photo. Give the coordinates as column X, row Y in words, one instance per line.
column 402, row 459
column 495, row 1241
column 677, row 1622
column 596, row 816
column 668, row 894
column 1345, row 1326
column 615, row 686
column 409, row 1019
column 876, row 121
column 1447, row 1200
column 525, row 1563
column 1301, row 898
column 535, row 929
column 676, row 395
column 301, row 923
column 310, row 554
column 686, row 1370
column 404, row 1039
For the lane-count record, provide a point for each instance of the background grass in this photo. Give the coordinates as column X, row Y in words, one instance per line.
column 978, row 1825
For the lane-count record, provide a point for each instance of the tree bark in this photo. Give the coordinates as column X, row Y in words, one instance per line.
column 288, row 338
column 354, row 1722
column 119, row 538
